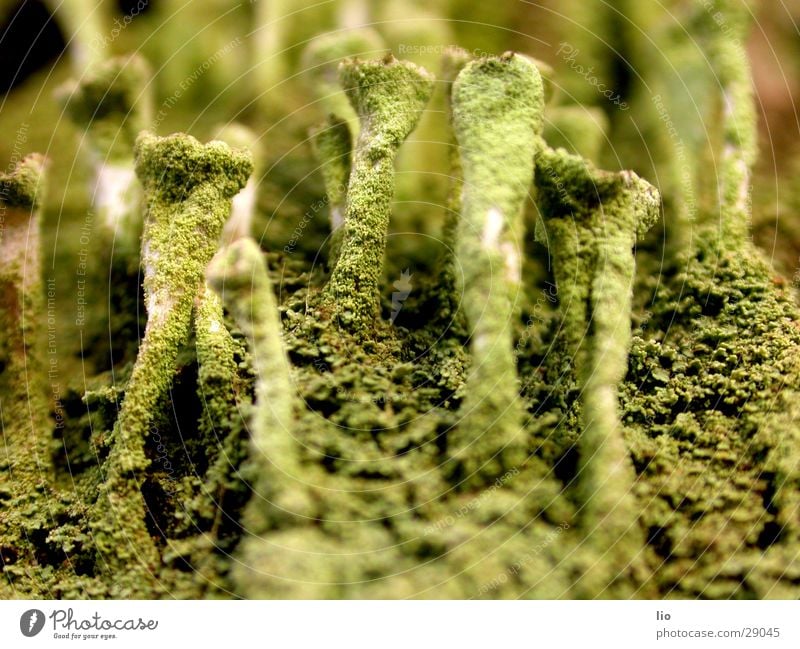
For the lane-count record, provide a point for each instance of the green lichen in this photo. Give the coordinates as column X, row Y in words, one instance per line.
column 238, row 274
column 83, row 20
column 580, row 130
column 360, row 497
column 591, row 221
column 389, row 96
column 112, row 104
column 497, row 117
column 240, row 223
column 26, row 465
column 453, row 61
column 189, row 187
column 332, row 145
column 321, row 61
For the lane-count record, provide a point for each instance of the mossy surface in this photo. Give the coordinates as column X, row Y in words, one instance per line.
column 306, row 438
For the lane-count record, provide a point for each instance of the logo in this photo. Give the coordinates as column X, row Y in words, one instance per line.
column 403, row 289
column 31, row 622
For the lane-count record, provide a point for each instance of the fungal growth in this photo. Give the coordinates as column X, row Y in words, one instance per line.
column 591, row 222
column 497, row 117
column 389, row 96
column 188, row 188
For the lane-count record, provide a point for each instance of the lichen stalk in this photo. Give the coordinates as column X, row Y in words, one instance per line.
column 453, row 61
column 243, row 207
column 188, row 188
column 497, row 117
column 26, row 428
column 332, row 145
column 728, row 60
column 82, row 22
column 272, row 24
column 591, row 221
column 389, row 96
column 217, row 379
column 238, row 274
column 320, row 62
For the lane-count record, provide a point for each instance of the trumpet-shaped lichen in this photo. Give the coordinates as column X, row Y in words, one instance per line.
column 321, row 61
column 591, row 221
column 389, row 96
column 238, row 274
column 349, row 489
column 26, row 427
column 188, row 187
column 26, row 465
column 240, row 223
column 497, row 116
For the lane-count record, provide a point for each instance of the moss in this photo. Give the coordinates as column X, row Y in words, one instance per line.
column 495, row 100
column 389, row 96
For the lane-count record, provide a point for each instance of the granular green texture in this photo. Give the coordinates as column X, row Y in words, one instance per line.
column 188, row 187
column 591, row 221
column 389, row 96
column 299, row 423
column 497, row 117
column 333, row 146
